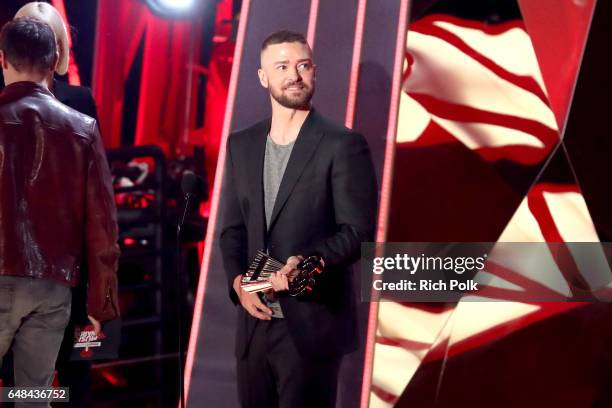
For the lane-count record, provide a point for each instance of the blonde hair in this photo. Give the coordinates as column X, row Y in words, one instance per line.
column 49, row 14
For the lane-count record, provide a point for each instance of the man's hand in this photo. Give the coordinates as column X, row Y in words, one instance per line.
column 96, row 325
column 280, row 280
column 251, row 302
column 290, row 268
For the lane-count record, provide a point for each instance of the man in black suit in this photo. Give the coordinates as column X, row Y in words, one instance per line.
column 297, row 185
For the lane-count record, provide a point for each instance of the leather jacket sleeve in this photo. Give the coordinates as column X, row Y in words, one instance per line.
column 102, row 250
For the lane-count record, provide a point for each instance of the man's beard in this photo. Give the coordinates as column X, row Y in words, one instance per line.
column 294, row 102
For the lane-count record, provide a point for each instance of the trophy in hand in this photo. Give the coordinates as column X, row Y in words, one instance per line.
column 257, row 278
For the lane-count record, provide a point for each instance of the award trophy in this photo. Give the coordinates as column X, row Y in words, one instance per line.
column 257, row 278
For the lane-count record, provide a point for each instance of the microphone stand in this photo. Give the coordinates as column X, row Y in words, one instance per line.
column 179, row 294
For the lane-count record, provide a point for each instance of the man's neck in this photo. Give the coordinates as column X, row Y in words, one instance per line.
column 40, row 79
column 286, row 123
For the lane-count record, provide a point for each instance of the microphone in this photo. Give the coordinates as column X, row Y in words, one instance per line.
column 192, row 184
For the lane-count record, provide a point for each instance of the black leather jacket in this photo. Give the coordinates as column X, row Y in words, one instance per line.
column 57, row 210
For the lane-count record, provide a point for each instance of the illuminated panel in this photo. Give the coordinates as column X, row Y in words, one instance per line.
column 312, row 22
column 210, row 232
column 568, row 23
column 490, row 123
column 352, row 94
column 388, row 166
column 506, row 135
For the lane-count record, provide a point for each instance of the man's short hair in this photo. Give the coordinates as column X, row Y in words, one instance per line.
column 28, row 44
column 283, row 36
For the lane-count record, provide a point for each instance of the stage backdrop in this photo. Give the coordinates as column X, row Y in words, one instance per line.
column 502, row 137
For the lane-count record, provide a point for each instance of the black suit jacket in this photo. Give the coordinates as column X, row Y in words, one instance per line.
column 77, row 97
column 326, row 205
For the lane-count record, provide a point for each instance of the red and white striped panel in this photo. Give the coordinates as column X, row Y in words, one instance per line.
column 483, row 87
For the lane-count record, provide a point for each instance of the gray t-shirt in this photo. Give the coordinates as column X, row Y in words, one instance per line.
column 275, row 163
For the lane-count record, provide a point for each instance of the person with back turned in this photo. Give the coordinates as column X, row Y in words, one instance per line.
column 73, row 374
column 57, row 211
column 297, row 185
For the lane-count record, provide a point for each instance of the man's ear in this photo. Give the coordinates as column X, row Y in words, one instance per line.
column 3, row 62
column 263, row 79
column 56, row 60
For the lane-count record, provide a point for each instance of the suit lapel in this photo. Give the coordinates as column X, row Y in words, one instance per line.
column 255, row 163
column 305, row 146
